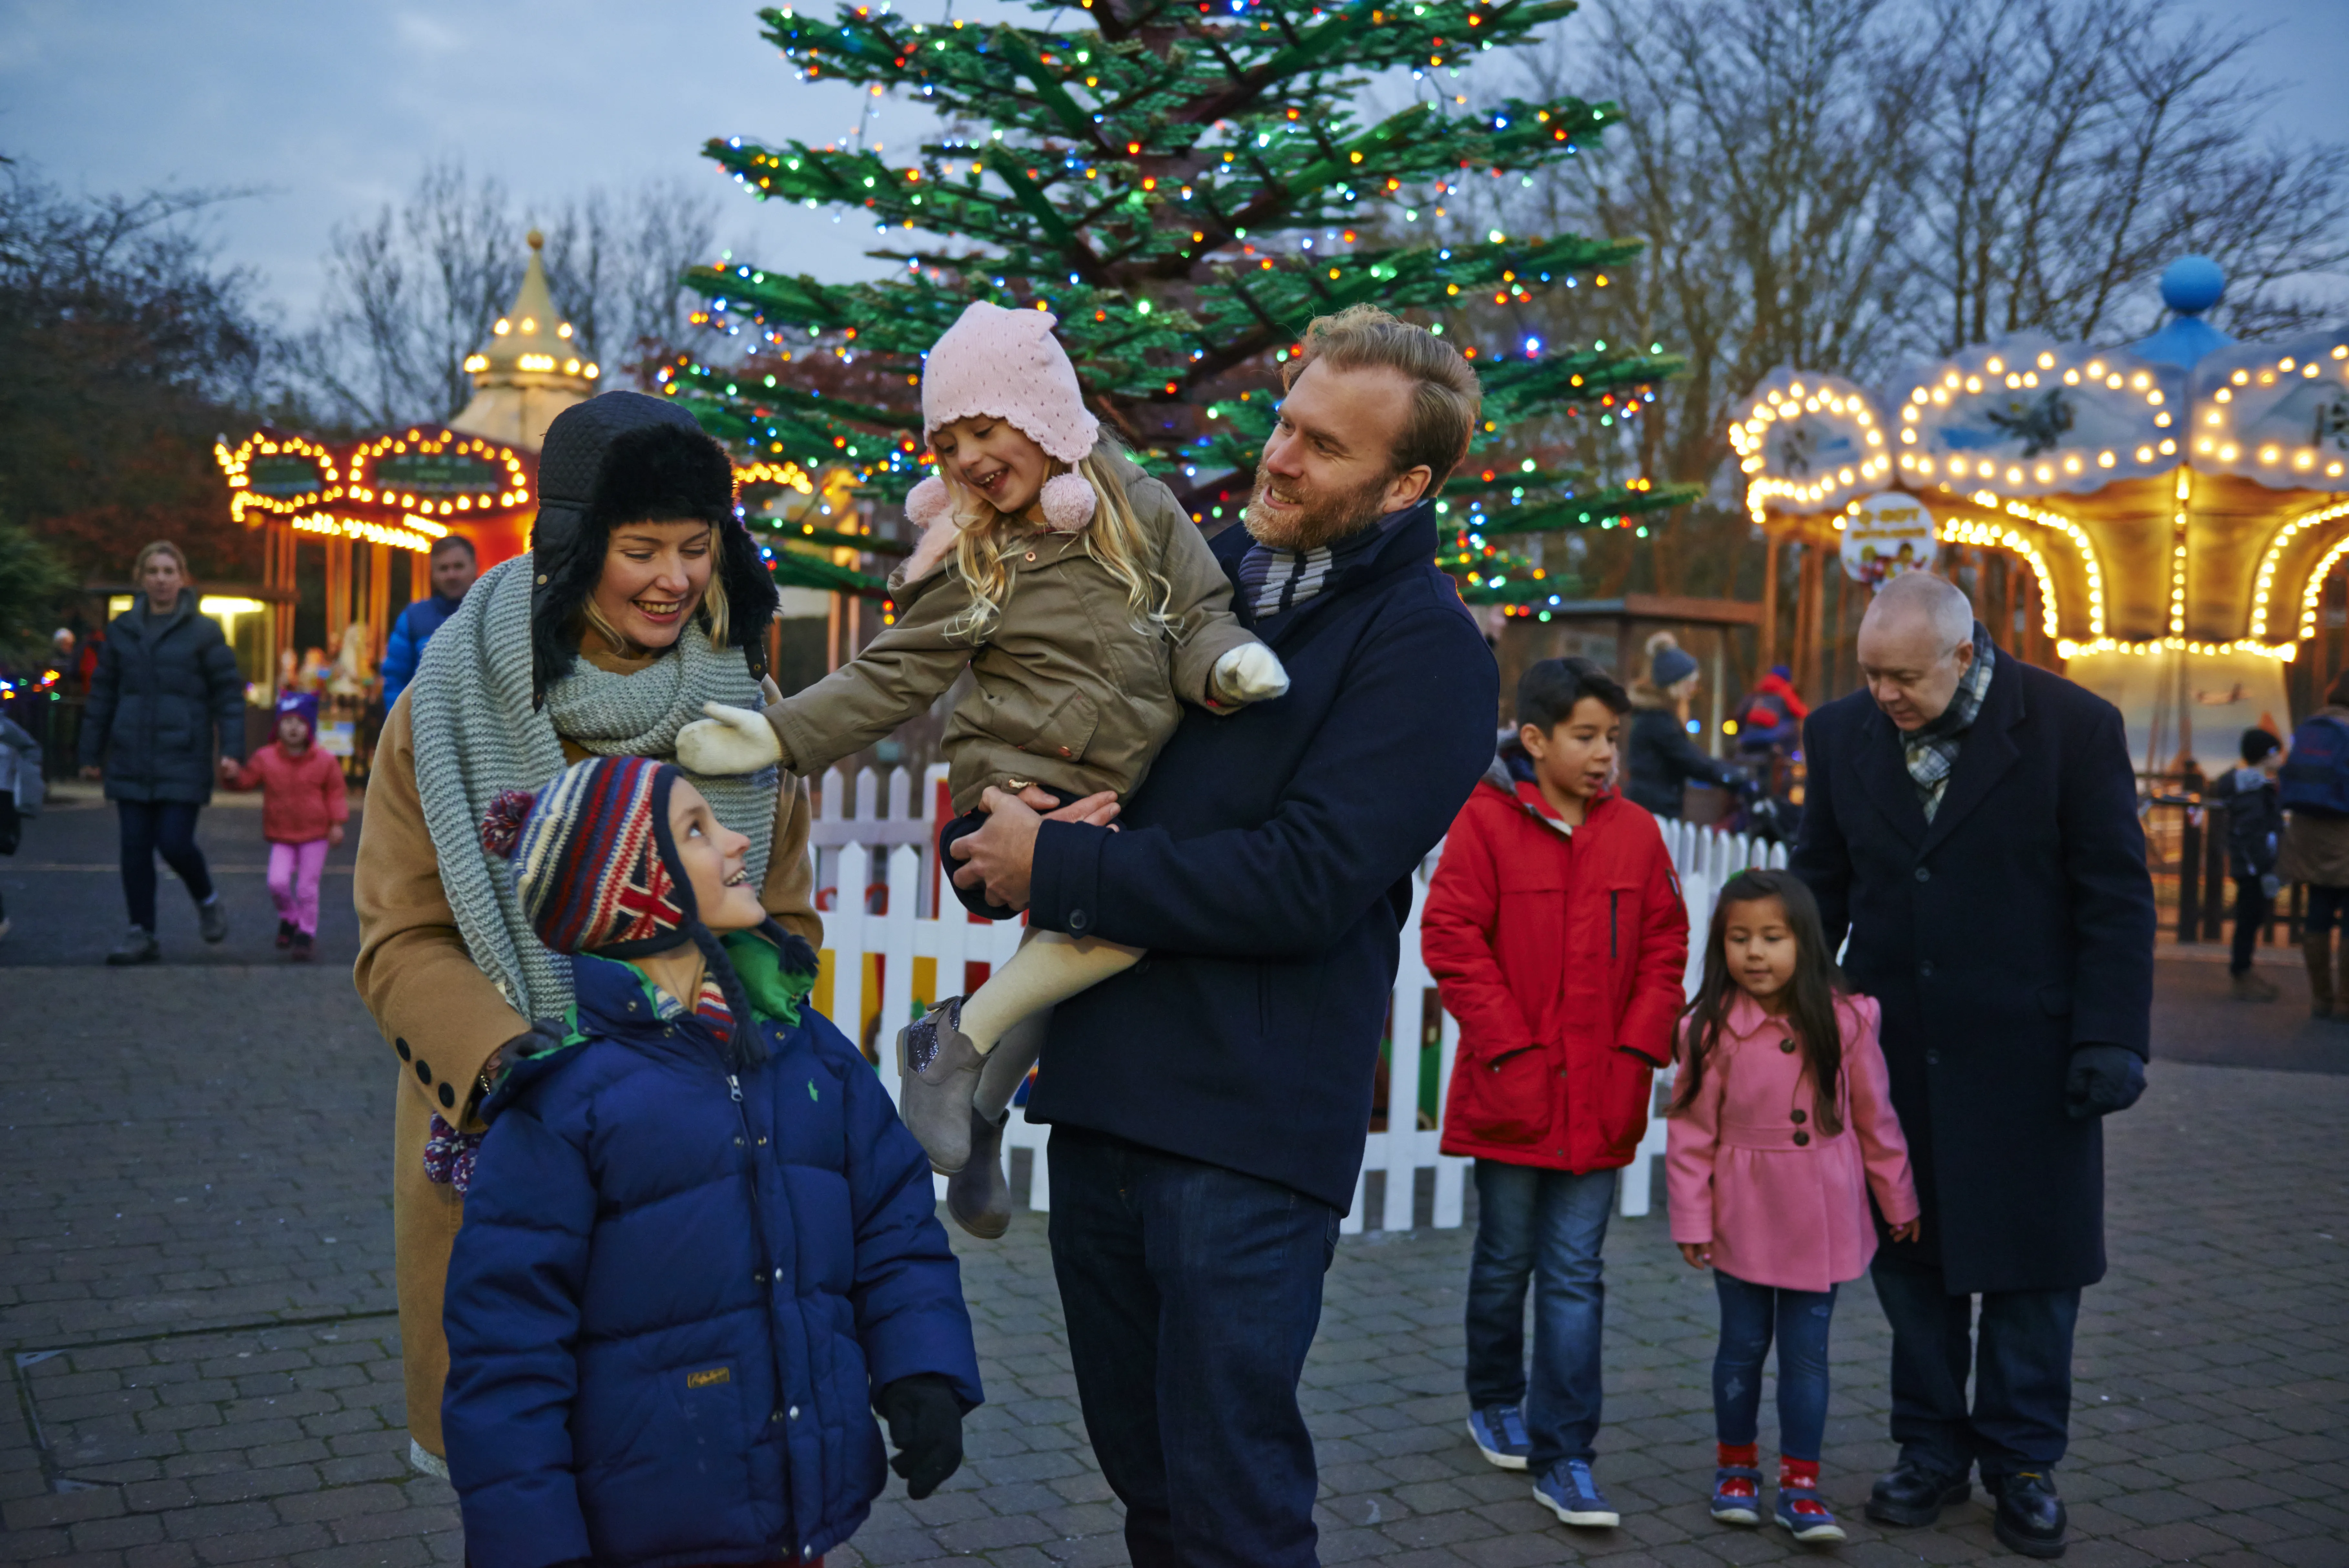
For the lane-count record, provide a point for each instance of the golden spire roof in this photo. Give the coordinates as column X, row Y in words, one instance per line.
column 530, row 368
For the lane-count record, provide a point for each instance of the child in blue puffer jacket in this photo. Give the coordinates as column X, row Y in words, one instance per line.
column 698, row 1249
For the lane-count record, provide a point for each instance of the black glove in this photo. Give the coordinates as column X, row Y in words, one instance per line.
column 926, row 1424
column 2103, row 1079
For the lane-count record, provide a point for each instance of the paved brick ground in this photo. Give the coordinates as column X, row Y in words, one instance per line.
column 194, row 1299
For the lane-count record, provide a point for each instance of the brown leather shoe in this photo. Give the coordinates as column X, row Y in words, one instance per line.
column 978, row 1196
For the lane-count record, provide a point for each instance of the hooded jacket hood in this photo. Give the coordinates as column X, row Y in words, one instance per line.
column 624, row 457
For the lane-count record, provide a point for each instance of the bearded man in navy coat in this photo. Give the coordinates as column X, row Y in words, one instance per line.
column 1970, row 821
column 1209, row 1105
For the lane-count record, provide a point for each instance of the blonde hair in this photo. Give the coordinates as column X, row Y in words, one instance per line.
column 161, row 548
column 985, row 538
column 711, row 613
column 1446, row 397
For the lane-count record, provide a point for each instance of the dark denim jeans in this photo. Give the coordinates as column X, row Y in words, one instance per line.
column 1546, row 1226
column 2252, row 908
column 1750, row 1316
column 170, row 826
column 1192, row 1293
column 2021, row 1358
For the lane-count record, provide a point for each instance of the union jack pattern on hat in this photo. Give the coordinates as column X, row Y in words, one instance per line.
column 592, row 864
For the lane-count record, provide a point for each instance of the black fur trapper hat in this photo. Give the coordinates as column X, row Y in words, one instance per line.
column 623, row 457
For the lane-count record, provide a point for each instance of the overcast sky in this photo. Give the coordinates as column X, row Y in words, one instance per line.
column 328, row 109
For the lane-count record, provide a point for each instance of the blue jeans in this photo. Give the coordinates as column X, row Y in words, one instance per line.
column 2022, row 1361
column 1751, row 1315
column 1192, row 1293
column 1546, row 1226
column 170, row 826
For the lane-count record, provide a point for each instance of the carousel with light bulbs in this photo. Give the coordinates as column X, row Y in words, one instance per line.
column 2164, row 521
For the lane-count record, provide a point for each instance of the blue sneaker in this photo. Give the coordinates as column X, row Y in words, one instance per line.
column 1568, row 1492
column 1499, row 1433
column 1805, row 1517
column 1737, row 1495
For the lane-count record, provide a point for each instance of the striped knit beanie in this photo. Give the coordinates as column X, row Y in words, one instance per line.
column 596, row 871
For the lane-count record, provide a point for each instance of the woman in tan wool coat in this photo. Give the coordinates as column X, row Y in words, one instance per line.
column 643, row 599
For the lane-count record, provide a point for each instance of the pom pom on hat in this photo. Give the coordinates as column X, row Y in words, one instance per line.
column 1008, row 365
column 1068, row 503
column 927, row 505
column 501, row 827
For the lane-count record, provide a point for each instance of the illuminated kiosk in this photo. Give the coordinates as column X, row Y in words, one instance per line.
column 2169, row 512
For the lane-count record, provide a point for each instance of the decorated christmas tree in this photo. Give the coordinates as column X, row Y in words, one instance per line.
column 1184, row 186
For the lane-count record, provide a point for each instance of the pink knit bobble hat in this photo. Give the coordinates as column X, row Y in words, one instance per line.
column 1007, row 364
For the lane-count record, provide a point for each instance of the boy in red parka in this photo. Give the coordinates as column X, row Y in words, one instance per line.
column 1556, row 930
column 303, row 808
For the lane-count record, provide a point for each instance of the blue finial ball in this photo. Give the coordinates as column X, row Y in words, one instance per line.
column 2192, row 284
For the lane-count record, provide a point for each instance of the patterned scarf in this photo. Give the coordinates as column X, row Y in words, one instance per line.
column 1933, row 751
column 477, row 736
column 1274, row 581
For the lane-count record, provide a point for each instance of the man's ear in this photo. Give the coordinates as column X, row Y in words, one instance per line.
column 1965, row 652
column 1409, row 487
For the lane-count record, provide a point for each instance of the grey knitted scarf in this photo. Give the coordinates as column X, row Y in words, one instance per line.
column 476, row 735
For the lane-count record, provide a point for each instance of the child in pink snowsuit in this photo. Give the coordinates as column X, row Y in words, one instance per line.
column 303, row 809
column 1782, row 1129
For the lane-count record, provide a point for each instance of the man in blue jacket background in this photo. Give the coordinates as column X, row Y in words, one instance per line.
column 454, row 567
column 1209, row 1106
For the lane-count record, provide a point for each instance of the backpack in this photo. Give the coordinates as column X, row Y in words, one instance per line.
column 2315, row 776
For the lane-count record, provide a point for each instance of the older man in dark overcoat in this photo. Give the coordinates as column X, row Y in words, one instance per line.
column 1970, row 821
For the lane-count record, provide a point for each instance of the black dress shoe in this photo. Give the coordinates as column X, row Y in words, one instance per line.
column 2031, row 1517
column 1913, row 1493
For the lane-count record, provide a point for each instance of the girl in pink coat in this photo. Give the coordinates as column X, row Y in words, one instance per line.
column 1781, row 1129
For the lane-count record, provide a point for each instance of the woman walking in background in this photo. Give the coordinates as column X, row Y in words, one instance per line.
column 165, row 683
column 1663, row 760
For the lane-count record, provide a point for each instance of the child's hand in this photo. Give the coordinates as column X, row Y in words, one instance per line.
column 1908, row 1233
column 1698, row 1254
column 731, row 742
column 1248, row 673
column 926, row 1424
column 335, row 833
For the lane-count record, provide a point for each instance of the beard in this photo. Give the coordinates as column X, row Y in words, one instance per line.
column 1317, row 517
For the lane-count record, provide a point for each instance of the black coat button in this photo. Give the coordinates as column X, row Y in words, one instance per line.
column 1932, row 1058
column 1079, row 919
column 423, row 1071
column 400, row 1046
column 1787, row 1045
column 1925, row 968
column 1802, row 1138
column 448, row 1097
column 1923, row 875
column 1801, row 1117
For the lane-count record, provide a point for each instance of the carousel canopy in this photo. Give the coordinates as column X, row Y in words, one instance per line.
column 2184, row 491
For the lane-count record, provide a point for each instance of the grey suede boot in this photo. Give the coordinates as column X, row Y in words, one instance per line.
column 940, row 1068
column 978, row 1196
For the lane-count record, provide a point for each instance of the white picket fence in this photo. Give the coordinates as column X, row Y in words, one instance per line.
column 886, row 946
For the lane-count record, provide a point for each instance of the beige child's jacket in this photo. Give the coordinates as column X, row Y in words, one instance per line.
column 1067, row 693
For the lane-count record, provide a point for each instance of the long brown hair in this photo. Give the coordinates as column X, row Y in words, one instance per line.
column 1811, row 1001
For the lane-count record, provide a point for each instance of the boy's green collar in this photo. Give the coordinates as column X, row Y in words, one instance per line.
column 775, row 992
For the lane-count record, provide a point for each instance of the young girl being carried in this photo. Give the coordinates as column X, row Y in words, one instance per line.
column 1781, row 1129
column 1087, row 608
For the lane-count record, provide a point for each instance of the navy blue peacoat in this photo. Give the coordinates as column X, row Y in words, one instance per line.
column 2014, row 928
column 161, row 691
column 1267, row 863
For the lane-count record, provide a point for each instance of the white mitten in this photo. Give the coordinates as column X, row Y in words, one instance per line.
column 731, row 741
column 1249, row 673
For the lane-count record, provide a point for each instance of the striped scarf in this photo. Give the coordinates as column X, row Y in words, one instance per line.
column 1274, row 581
column 1933, row 751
